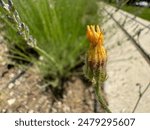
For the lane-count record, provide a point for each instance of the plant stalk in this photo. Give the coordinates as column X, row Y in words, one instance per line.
column 100, row 98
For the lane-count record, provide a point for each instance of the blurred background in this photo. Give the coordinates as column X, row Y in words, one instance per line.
column 50, row 77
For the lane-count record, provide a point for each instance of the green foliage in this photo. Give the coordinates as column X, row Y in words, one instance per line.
column 59, row 29
column 142, row 12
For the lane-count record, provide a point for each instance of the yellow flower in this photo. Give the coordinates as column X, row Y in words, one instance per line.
column 96, row 56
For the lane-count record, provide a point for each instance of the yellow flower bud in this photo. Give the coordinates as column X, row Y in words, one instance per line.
column 96, row 55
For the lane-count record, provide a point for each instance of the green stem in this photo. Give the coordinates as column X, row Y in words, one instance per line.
column 48, row 56
column 100, row 98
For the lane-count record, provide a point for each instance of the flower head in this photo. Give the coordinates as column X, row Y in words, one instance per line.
column 94, row 34
column 96, row 55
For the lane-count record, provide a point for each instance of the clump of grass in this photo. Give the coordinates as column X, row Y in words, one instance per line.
column 58, row 27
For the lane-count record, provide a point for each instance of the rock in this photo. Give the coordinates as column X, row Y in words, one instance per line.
column 3, row 63
column 17, row 82
column 11, row 101
column 34, row 99
column 12, row 75
column 66, row 108
column 4, row 110
column 1, row 38
column 11, row 93
column 1, row 58
column 30, row 111
column 11, row 85
column 54, row 110
column 41, row 58
column 59, row 104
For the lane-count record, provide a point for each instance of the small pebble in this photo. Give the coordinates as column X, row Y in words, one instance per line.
column 34, row 99
column 30, row 111
column 4, row 110
column 17, row 82
column 12, row 75
column 66, row 108
column 1, row 38
column 11, row 93
column 11, row 85
column 5, row 49
column 41, row 58
column 3, row 63
column 11, row 101
column 59, row 104
column 1, row 58
column 54, row 110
